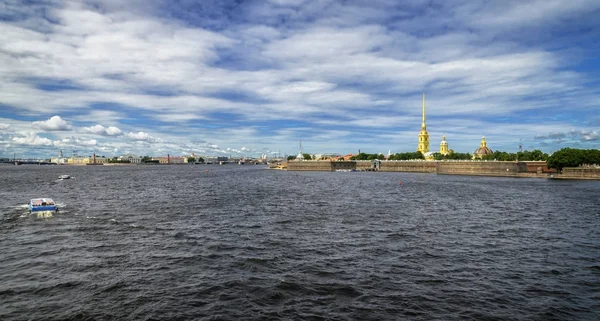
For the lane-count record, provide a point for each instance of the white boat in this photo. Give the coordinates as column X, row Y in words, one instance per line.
column 64, row 176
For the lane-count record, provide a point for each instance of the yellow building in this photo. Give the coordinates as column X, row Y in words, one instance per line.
column 483, row 150
column 444, row 146
column 423, row 135
column 78, row 160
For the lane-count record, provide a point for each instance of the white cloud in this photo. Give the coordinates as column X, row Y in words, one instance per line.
column 101, row 130
column 91, row 142
column 32, row 140
column 4, row 126
column 139, row 136
column 113, row 131
column 55, row 123
column 75, row 142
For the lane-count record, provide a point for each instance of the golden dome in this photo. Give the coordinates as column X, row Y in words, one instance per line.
column 483, row 150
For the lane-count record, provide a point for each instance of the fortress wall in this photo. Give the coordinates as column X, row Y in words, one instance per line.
column 362, row 165
column 480, row 168
column 310, row 166
column 408, row 166
column 579, row 173
column 489, row 168
column 538, row 167
column 343, row 165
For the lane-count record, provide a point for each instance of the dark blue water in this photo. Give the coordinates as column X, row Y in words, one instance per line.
column 246, row 243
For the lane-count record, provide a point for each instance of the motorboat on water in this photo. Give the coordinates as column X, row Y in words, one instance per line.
column 64, row 176
column 43, row 207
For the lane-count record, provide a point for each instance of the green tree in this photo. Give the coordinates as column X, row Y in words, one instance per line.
column 459, row 156
column 407, row 156
column 146, row 159
column 306, row 156
column 191, row 160
column 200, row 159
column 538, row 155
column 566, row 157
column 291, row 157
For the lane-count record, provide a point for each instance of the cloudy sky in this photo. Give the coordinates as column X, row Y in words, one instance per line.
column 244, row 78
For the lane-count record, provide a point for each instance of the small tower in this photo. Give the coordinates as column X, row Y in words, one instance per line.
column 444, row 146
column 423, row 135
column 300, row 156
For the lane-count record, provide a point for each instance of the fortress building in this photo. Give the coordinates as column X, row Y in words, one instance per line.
column 483, row 150
column 444, row 146
column 423, row 135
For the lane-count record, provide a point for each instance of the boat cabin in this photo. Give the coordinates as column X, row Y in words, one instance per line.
column 42, row 204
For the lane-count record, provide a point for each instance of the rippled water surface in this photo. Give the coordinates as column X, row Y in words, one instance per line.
column 196, row 242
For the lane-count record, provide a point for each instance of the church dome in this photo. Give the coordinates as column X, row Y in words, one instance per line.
column 483, row 150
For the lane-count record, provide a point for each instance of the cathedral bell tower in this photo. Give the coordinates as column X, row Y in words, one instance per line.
column 423, row 135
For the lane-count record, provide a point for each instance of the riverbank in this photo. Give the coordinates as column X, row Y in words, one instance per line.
column 534, row 169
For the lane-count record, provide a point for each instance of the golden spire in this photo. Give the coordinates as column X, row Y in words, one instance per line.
column 423, row 125
column 423, row 135
column 483, row 142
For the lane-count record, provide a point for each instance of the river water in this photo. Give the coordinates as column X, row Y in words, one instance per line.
column 210, row 242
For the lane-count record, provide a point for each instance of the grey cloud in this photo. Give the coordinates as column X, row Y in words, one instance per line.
column 571, row 135
column 590, row 136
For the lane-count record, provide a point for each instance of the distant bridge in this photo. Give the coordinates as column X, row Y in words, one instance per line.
column 26, row 161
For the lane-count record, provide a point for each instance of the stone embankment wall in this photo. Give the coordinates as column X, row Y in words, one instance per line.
column 480, row 168
column 483, row 168
column 408, row 166
column 363, row 165
column 310, row 166
column 345, row 165
column 579, row 173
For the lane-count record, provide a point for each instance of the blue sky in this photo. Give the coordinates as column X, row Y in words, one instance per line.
column 244, row 78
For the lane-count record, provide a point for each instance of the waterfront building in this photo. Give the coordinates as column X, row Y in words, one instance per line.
column 444, row 146
column 423, row 135
column 483, row 150
column 170, row 159
column 99, row 159
column 185, row 158
column 133, row 159
column 60, row 160
column 78, row 160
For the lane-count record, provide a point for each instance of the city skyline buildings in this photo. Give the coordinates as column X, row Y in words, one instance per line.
column 254, row 78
